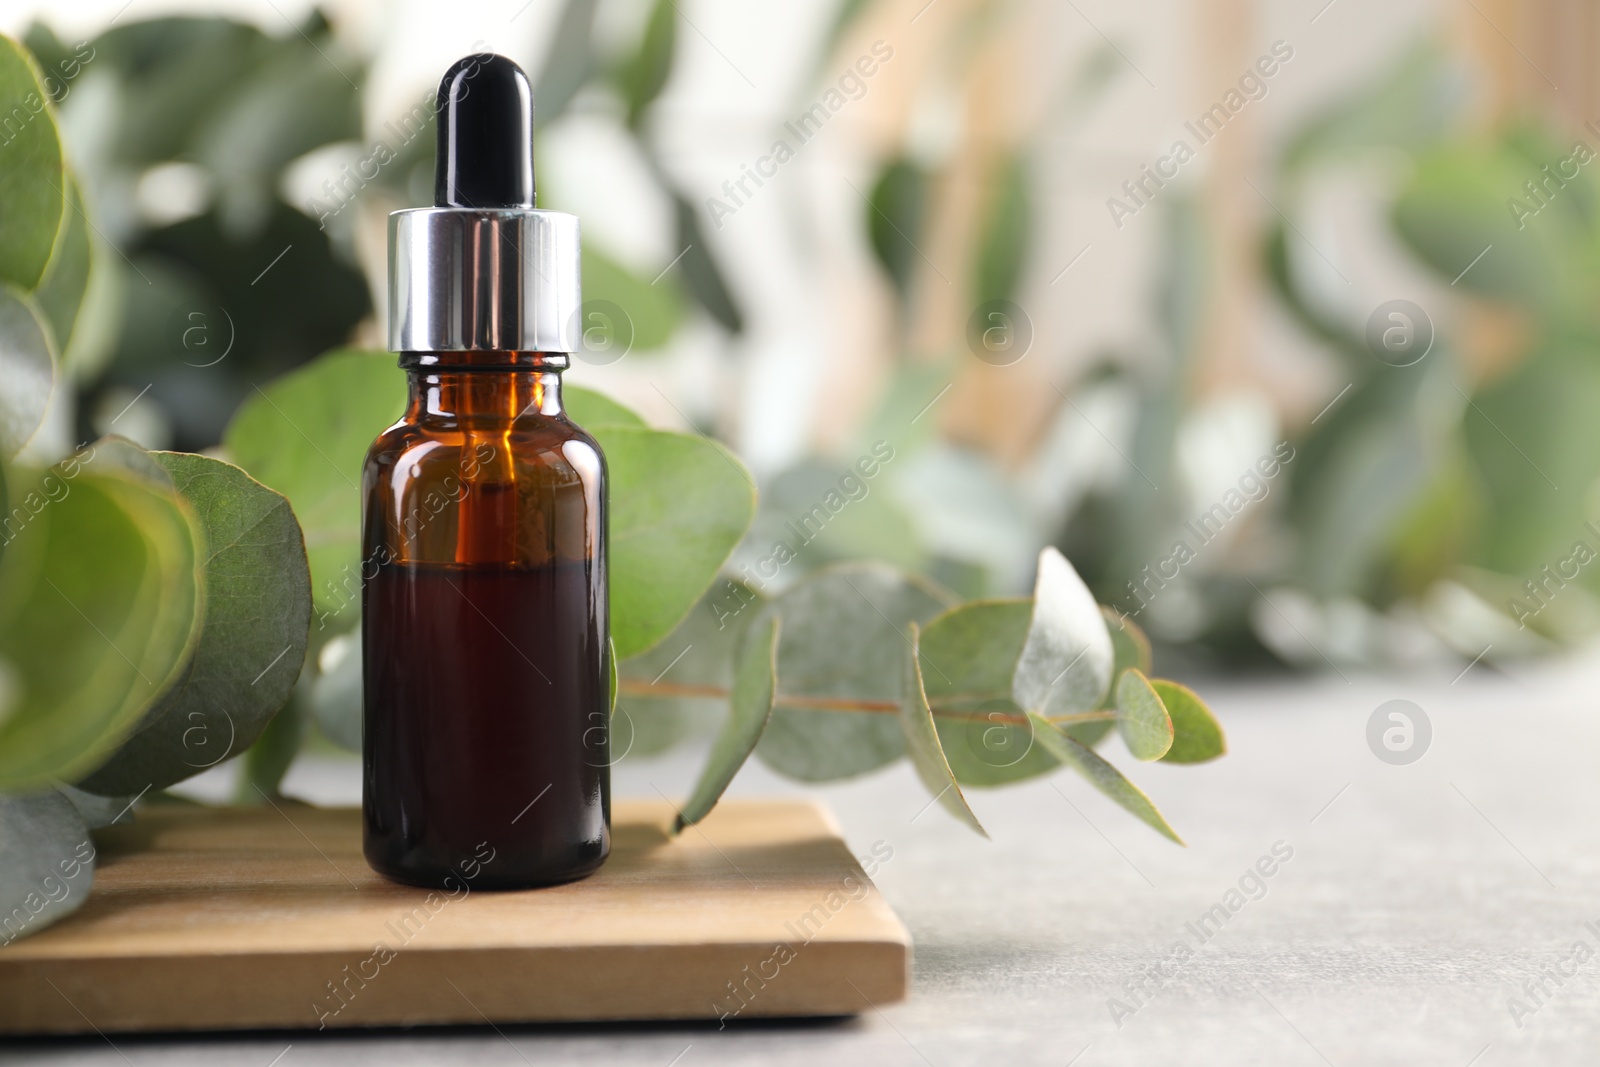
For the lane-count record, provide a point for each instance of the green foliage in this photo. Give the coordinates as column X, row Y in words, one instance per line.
column 46, row 862
column 1065, row 664
column 922, row 741
column 654, row 311
column 28, row 362
column 1196, row 735
column 1102, row 775
column 749, row 707
column 896, row 206
column 1142, row 718
column 641, row 78
column 100, row 608
column 1003, row 250
column 968, row 656
column 679, row 505
column 33, row 180
column 306, row 436
column 155, row 608
column 258, row 609
column 568, row 63
column 845, row 630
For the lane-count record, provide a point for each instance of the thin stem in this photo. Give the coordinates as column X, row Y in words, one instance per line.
column 943, row 708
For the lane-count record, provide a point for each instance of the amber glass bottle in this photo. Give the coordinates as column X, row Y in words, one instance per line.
column 485, row 636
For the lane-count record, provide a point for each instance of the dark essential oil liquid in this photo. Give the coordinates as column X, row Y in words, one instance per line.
column 486, row 726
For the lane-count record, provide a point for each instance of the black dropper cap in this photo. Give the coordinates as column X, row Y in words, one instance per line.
column 485, row 155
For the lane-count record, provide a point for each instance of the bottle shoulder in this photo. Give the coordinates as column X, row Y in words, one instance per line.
column 530, row 439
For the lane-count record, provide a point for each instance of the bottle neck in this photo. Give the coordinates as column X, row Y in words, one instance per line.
column 482, row 386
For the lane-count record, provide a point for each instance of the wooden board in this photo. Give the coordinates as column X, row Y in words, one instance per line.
column 204, row 919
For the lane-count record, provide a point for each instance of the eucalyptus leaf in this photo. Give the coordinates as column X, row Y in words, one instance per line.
column 306, row 436
column 567, row 64
column 1004, row 247
column 922, row 742
column 258, row 597
column 653, row 309
column 1197, row 736
column 701, row 274
column 967, row 658
column 642, row 77
column 28, row 364
column 60, row 293
column 1065, row 664
column 1142, row 719
column 697, row 655
column 1129, row 645
column 100, row 610
column 845, row 638
column 33, row 180
column 592, row 410
column 267, row 761
column 336, row 692
column 896, row 208
column 679, row 505
column 97, row 811
column 46, row 863
column 1102, row 775
column 749, row 709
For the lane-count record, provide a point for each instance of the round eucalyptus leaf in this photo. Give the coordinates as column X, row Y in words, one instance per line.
column 46, row 863
column 846, row 636
column 100, row 610
column 968, row 655
column 258, row 598
column 28, row 365
column 33, row 179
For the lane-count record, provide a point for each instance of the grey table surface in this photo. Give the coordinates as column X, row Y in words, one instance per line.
column 1421, row 905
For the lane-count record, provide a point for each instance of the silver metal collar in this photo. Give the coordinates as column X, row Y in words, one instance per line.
column 498, row 280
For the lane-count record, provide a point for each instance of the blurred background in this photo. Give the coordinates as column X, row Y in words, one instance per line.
column 1276, row 318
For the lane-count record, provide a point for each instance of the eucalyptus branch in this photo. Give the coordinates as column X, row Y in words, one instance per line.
column 942, row 708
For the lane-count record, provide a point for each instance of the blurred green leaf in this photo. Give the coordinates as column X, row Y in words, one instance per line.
column 1065, row 665
column 1354, row 479
column 98, row 811
column 679, row 505
column 895, row 210
column 1197, row 736
column 700, row 271
column 1102, row 775
column 60, row 293
column 1142, row 719
column 334, row 695
column 33, row 180
column 1459, row 205
column 1411, row 104
column 258, row 609
column 100, row 609
column 306, row 436
column 641, row 78
column 568, row 62
column 922, row 741
column 46, row 862
column 844, row 637
column 1535, row 445
column 266, row 762
column 654, row 310
column 1129, row 645
column 750, row 707
column 29, row 367
column 1003, row 248
column 590, row 409
column 301, row 95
